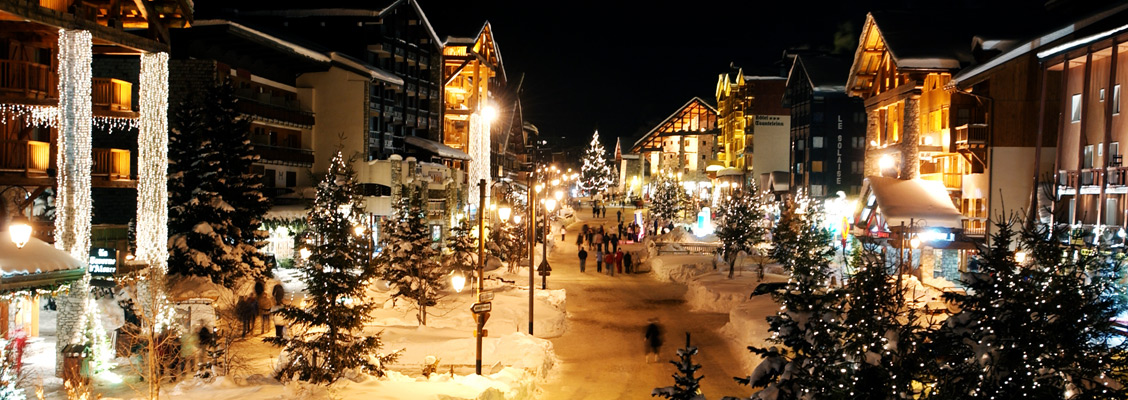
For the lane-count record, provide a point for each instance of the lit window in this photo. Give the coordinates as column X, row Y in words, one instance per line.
column 817, row 142
column 816, row 166
column 1076, row 114
column 1102, row 95
column 1116, row 99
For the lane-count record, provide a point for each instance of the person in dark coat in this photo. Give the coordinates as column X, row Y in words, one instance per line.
column 583, row 258
column 627, row 259
column 653, row 339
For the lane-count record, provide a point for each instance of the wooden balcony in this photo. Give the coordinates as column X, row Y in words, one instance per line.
column 111, row 164
column 29, row 81
column 280, row 113
column 951, row 181
column 1091, row 177
column 284, row 155
column 974, row 227
column 971, row 137
column 57, row 5
column 1117, row 176
column 29, row 157
column 112, row 97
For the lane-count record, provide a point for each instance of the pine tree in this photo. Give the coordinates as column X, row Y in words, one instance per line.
column 742, row 224
column 595, row 173
column 810, row 363
column 686, row 386
column 215, row 203
column 1041, row 330
column 8, row 382
column 461, row 248
column 409, row 261
column 668, row 200
column 883, row 335
column 328, row 337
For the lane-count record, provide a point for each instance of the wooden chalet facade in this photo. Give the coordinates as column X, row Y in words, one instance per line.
column 683, row 144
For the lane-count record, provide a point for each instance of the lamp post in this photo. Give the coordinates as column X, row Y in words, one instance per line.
column 544, row 269
column 479, row 318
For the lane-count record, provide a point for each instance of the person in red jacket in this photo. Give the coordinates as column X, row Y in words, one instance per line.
column 619, row 260
column 609, row 259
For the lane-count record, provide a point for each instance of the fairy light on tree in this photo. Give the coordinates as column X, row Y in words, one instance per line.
column 72, row 202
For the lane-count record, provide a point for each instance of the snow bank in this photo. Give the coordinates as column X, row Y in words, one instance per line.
column 678, row 268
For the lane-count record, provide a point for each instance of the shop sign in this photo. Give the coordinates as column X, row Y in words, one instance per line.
column 103, row 261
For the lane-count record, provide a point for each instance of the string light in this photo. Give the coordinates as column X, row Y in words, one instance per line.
column 43, row 116
column 72, row 215
column 479, row 155
column 111, row 124
column 152, row 162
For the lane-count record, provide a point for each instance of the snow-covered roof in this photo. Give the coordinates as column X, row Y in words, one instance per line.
column 913, row 200
column 824, row 73
column 301, row 50
column 437, row 148
column 375, row 73
column 35, row 257
column 352, row 8
column 286, row 211
column 730, row 172
column 638, row 143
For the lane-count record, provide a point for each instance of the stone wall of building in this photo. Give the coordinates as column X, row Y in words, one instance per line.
column 910, row 142
column 187, row 78
column 870, row 167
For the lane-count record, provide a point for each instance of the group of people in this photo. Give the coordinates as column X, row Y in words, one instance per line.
column 606, row 248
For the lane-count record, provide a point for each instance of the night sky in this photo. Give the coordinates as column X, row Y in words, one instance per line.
column 621, row 66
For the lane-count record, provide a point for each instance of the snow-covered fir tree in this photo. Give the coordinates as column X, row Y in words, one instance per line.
column 595, row 173
column 1043, row 329
column 686, row 385
column 807, row 361
column 215, row 202
column 328, row 337
column 742, row 224
column 667, row 201
column 409, row 260
column 461, row 252
column 884, row 335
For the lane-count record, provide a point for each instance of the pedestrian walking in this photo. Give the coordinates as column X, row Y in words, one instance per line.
column 604, row 212
column 597, row 240
column 609, row 260
column 619, row 260
column 627, row 259
column 653, row 339
column 614, row 242
column 598, row 260
column 279, row 321
column 619, row 217
column 583, row 258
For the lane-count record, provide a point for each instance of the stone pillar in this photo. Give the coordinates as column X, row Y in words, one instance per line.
column 910, row 143
column 927, row 263
column 152, row 162
column 870, row 167
column 72, row 202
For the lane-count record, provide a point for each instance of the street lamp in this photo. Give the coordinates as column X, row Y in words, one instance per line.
column 503, row 212
column 457, row 280
column 20, row 231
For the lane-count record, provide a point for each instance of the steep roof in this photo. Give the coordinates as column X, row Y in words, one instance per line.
column 823, row 73
column 330, row 8
column 657, row 128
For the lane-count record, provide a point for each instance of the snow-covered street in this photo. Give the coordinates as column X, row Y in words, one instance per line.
column 602, row 353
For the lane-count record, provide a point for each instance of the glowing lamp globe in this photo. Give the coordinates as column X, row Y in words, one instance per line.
column 305, row 253
column 358, row 230
column 489, row 113
column 914, row 242
column 517, row 219
column 885, row 162
column 550, row 204
column 1020, row 257
column 458, row 281
column 20, row 231
column 559, row 195
column 503, row 212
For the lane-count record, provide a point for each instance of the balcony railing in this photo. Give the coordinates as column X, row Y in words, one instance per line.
column 287, row 155
column 28, row 156
column 1091, row 177
column 1117, row 176
column 951, row 181
column 57, row 5
column 112, row 94
column 974, row 227
column 111, row 163
column 278, row 113
column 971, row 134
column 27, row 79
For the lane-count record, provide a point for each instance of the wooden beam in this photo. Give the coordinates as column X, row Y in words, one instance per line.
column 157, row 27
column 34, row 13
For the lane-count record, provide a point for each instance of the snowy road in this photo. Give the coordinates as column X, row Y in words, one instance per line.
column 602, row 352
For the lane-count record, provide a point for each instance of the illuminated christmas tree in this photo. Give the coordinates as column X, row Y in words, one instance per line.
column 595, row 174
column 328, row 337
column 410, row 260
column 742, row 224
column 667, row 201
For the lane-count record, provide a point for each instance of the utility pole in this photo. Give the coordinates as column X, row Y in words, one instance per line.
column 532, row 237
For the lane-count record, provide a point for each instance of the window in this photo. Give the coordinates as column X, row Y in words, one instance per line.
column 799, row 145
column 799, row 168
column 1101, row 95
column 1116, row 99
column 818, row 190
column 817, row 142
column 291, row 179
column 1076, row 114
column 816, row 166
column 818, row 117
column 855, row 167
column 858, row 142
column 944, row 117
column 1087, row 162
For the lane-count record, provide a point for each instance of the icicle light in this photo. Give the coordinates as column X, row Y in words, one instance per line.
column 479, row 155
column 72, row 215
column 111, row 124
column 32, row 115
column 152, row 162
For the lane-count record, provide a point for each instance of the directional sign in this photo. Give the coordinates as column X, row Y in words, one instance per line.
column 481, row 307
column 485, row 296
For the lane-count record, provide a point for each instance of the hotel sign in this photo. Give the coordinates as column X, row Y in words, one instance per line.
column 103, row 261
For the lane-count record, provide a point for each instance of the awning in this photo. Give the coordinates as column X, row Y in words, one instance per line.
column 921, row 201
column 36, row 265
column 436, row 148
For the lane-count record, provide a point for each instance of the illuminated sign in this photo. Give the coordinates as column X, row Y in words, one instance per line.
column 103, row 261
